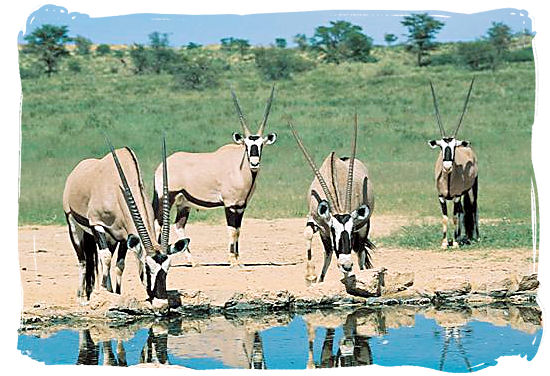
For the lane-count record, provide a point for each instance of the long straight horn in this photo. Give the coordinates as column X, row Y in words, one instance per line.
column 131, row 203
column 165, row 234
column 313, row 167
column 246, row 130
column 266, row 111
column 349, row 184
column 465, row 106
column 436, row 106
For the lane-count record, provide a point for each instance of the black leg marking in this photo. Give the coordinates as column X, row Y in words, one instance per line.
column 328, row 256
column 458, row 213
column 121, row 256
column 234, row 217
column 443, row 204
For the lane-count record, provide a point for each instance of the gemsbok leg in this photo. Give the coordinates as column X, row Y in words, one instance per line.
column 309, row 231
column 234, row 218
column 181, row 220
column 445, row 221
column 328, row 256
column 458, row 220
column 105, row 255
column 119, row 269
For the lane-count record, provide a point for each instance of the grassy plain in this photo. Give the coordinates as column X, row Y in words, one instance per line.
column 63, row 118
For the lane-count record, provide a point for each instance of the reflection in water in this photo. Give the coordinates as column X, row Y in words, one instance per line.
column 450, row 340
column 455, row 334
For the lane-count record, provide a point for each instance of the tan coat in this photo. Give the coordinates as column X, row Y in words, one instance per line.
column 462, row 176
column 221, row 177
column 93, row 191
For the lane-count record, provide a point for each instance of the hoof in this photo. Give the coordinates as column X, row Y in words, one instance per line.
column 234, row 261
column 311, row 278
column 444, row 244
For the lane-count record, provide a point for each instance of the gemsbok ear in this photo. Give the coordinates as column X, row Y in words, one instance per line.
column 180, row 246
column 238, row 138
column 465, row 143
column 361, row 213
column 271, row 138
column 132, row 241
column 432, row 143
column 323, row 209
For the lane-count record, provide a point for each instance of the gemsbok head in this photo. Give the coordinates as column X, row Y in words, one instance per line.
column 105, row 207
column 223, row 178
column 456, row 175
column 253, row 143
column 341, row 202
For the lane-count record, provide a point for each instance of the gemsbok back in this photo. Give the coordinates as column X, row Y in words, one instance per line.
column 105, row 207
column 341, row 202
column 456, row 179
column 217, row 179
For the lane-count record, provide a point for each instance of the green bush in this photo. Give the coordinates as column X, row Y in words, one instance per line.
column 444, row 59
column 74, row 66
column 477, row 55
column 83, row 45
column 278, row 63
column 524, row 54
column 33, row 70
column 141, row 58
column 103, row 49
column 196, row 72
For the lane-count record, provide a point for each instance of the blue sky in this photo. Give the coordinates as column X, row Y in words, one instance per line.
column 262, row 29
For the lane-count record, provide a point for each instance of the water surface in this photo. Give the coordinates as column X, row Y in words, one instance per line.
column 450, row 340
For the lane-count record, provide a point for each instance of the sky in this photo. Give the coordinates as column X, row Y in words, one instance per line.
column 262, row 28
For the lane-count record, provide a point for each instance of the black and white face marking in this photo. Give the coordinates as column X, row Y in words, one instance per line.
column 448, row 146
column 254, row 145
column 341, row 231
column 154, row 269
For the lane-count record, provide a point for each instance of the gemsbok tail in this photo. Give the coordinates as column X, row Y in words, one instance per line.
column 470, row 213
column 89, row 249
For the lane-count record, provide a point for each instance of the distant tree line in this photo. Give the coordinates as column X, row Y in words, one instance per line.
column 196, row 67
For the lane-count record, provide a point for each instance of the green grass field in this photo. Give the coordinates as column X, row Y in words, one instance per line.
column 63, row 118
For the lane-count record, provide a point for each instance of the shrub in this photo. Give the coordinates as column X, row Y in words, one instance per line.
column 444, row 59
column 196, row 72
column 277, row 63
column 33, row 70
column 83, row 45
column 74, row 66
column 103, row 49
column 342, row 41
column 141, row 58
column 478, row 55
column 524, row 54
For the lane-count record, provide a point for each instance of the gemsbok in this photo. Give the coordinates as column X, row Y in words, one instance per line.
column 217, row 179
column 102, row 215
column 341, row 202
column 456, row 179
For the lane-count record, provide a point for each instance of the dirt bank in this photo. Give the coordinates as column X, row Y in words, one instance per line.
column 49, row 268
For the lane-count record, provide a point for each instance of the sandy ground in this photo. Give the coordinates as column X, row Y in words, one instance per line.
column 49, row 270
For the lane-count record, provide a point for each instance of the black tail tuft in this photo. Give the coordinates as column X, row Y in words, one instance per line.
column 368, row 247
column 90, row 255
column 157, row 210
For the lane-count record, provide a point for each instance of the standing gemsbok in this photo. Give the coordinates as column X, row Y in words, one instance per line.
column 218, row 179
column 102, row 213
column 456, row 179
column 341, row 202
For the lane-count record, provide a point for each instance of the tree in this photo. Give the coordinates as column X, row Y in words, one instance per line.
column 390, row 38
column 141, row 58
column 48, row 43
column 422, row 32
column 193, row 45
column 500, row 36
column 279, row 63
column 235, row 44
column 477, row 55
column 280, row 42
column 342, row 41
column 161, row 55
column 103, row 49
column 301, row 41
column 82, row 44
